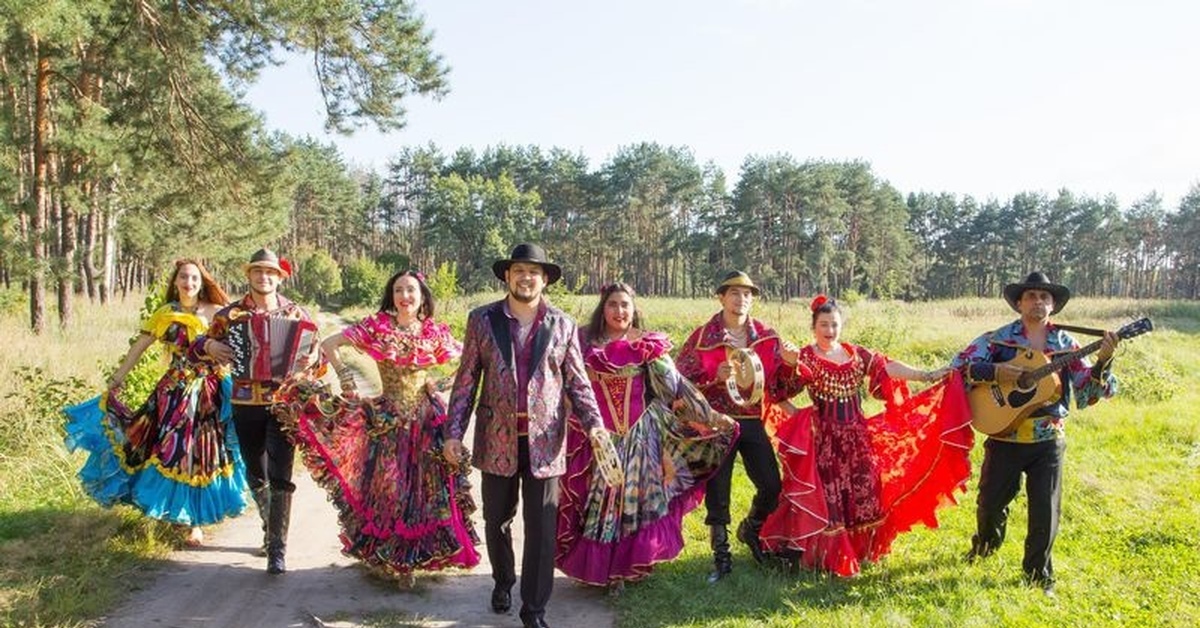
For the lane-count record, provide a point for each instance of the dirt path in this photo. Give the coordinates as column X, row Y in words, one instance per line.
column 224, row 583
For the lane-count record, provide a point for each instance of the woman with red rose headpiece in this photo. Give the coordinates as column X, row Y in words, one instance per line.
column 852, row 483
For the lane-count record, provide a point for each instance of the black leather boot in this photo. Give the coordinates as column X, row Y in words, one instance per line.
column 277, row 531
column 722, row 559
column 262, row 499
column 747, row 532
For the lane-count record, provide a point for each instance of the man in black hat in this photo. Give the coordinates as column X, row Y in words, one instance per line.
column 241, row 334
column 522, row 356
column 1034, row 445
column 705, row 359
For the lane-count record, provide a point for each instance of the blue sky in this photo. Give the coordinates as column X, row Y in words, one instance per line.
column 980, row 97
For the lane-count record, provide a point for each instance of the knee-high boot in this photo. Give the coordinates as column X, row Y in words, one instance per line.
column 262, row 499
column 722, row 559
column 277, row 531
column 747, row 532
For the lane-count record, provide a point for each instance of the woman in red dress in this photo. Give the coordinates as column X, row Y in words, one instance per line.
column 852, row 483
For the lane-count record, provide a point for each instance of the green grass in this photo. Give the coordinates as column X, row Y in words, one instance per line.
column 1126, row 553
column 1127, row 550
column 63, row 560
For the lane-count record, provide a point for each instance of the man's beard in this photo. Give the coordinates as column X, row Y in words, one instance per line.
column 530, row 298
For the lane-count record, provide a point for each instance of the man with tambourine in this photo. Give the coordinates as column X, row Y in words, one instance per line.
column 740, row 364
column 264, row 337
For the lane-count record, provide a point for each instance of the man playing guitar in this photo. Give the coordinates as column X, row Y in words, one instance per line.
column 1032, row 444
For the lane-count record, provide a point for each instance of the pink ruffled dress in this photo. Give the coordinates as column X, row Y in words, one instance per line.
column 665, row 437
column 400, row 505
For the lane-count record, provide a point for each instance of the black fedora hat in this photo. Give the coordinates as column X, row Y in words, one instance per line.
column 739, row 279
column 1037, row 280
column 529, row 254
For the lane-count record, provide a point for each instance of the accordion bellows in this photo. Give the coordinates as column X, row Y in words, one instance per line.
column 268, row 347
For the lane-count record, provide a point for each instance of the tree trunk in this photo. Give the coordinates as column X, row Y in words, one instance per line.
column 69, row 234
column 41, row 193
column 109, row 232
column 90, row 226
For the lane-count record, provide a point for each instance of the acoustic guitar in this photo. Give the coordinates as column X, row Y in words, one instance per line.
column 995, row 407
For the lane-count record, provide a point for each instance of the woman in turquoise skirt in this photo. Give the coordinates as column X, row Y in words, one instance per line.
column 175, row 458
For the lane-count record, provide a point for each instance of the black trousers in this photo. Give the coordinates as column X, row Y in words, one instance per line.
column 999, row 483
column 758, row 456
column 265, row 448
column 539, row 512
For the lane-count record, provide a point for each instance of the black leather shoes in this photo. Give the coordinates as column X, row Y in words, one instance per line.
column 276, row 564
column 535, row 622
column 501, row 600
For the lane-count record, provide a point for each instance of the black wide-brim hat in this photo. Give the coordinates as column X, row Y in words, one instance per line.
column 1037, row 281
column 529, row 254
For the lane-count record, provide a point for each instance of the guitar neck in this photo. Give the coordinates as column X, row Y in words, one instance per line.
column 1058, row 362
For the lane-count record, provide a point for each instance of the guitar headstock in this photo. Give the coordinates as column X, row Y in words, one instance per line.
column 1136, row 328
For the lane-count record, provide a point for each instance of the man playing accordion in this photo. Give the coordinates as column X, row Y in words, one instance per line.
column 264, row 337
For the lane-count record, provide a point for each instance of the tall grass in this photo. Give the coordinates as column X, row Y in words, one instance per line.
column 1127, row 551
column 1126, row 554
column 63, row 560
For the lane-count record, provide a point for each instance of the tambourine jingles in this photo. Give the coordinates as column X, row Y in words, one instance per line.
column 747, row 373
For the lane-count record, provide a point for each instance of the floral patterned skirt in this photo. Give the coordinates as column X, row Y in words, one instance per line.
column 400, row 506
column 612, row 534
column 175, row 458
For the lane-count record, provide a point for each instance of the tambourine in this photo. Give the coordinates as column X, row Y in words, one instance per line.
column 747, row 373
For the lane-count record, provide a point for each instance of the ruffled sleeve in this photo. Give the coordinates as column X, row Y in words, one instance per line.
column 618, row 354
column 378, row 337
column 892, row 391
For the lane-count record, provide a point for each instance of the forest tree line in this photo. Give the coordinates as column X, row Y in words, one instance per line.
column 126, row 145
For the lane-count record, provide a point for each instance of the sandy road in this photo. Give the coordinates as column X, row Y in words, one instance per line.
column 224, row 583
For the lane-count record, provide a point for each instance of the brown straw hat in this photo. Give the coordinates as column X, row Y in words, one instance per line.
column 739, row 279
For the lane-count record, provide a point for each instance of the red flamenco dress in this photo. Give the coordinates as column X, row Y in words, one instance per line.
column 668, row 446
column 852, row 483
column 400, row 505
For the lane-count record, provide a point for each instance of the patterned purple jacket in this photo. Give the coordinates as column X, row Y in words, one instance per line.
column 558, row 385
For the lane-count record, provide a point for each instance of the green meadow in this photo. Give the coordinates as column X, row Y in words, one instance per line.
column 1126, row 552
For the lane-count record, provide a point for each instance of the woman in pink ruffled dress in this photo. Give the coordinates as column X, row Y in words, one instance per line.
column 669, row 442
column 401, row 506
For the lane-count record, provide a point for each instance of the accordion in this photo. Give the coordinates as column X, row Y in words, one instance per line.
column 269, row 347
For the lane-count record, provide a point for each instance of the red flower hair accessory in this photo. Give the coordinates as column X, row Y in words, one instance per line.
column 818, row 302
column 286, row 266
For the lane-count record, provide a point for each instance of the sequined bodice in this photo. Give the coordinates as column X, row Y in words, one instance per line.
column 404, row 386
column 834, row 382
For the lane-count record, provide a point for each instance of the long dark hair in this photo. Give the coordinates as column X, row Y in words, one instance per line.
column 388, row 303
column 210, row 290
column 595, row 328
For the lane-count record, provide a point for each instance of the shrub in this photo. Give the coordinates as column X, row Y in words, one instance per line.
column 362, row 281
column 318, row 279
column 443, row 282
